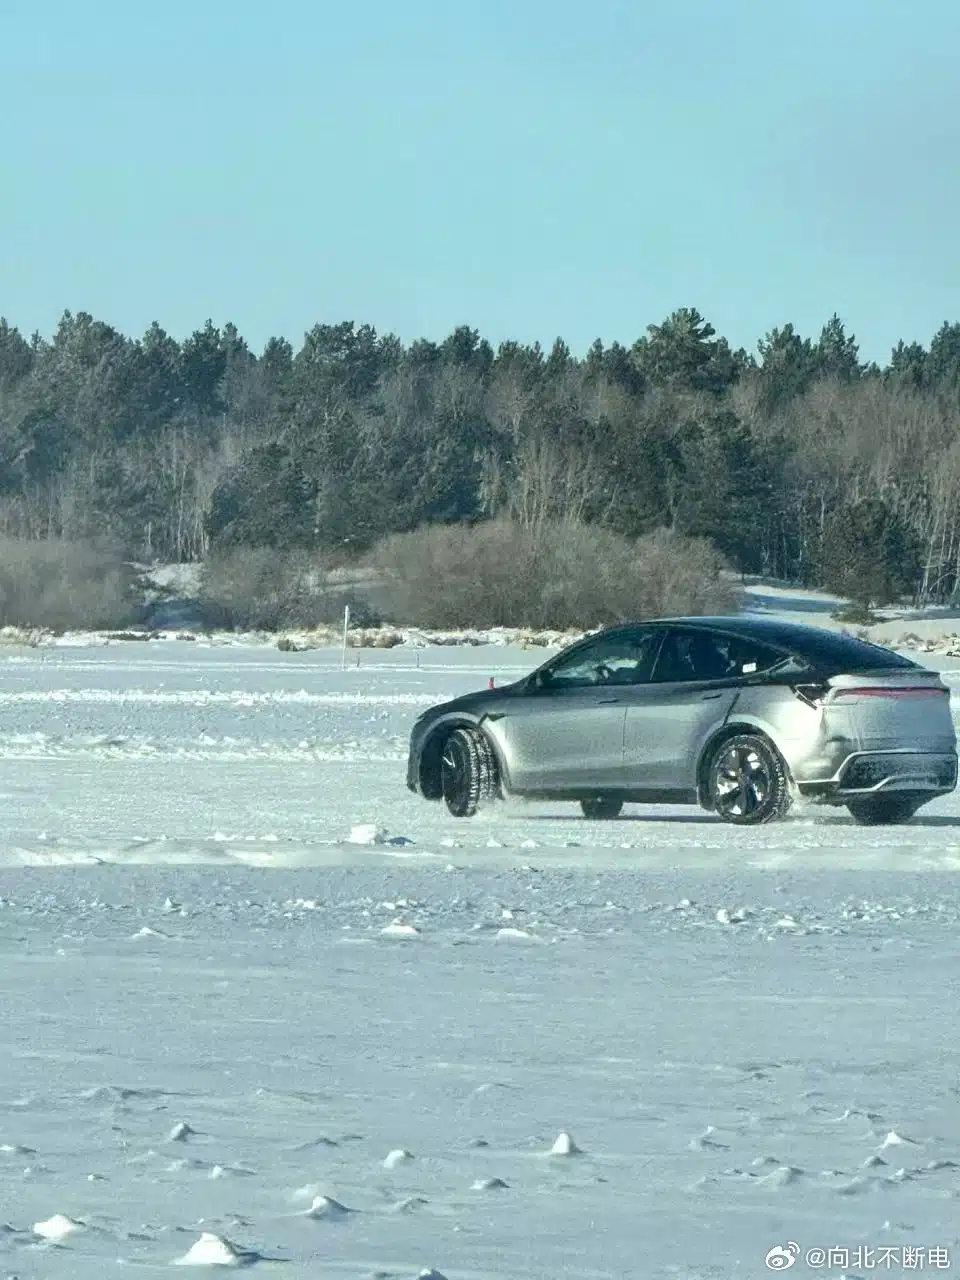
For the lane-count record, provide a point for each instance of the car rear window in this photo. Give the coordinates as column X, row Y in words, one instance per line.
column 834, row 654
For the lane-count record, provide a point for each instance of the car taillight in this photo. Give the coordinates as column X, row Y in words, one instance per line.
column 812, row 694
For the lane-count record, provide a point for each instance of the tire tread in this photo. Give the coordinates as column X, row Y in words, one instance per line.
column 480, row 768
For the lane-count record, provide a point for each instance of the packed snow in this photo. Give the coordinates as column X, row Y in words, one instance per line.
column 264, row 1009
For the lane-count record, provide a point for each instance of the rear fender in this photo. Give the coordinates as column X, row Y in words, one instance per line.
column 733, row 728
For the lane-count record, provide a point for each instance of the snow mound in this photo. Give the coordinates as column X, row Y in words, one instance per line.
column 181, row 1133
column 57, row 1228
column 147, row 932
column 400, row 930
column 784, row 1176
column 327, row 1207
column 509, row 934
column 301, row 641
column 213, row 1251
column 368, row 833
column 409, row 1205
column 706, row 1141
column 431, row 1274
column 736, row 916
column 490, row 1184
column 894, row 1139
column 398, row 1156
column 229, row 1171
column 564, row 1145
column 856, row 1187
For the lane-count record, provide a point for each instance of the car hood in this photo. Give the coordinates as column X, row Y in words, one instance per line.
column 476, row 702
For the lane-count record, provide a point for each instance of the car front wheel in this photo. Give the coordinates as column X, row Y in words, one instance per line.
column 748, row 781
column 467, row 772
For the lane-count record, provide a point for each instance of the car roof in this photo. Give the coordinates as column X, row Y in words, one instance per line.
column 814, row 643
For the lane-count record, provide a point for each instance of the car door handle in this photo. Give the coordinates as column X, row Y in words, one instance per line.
column 708, row 697
column 602, row 702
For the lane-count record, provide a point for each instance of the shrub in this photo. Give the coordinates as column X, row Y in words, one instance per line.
column 64, row 585
column 260, row 589
column 560, row 574
column 856, row 614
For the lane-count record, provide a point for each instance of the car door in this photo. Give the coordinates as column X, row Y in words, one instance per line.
column 565, row 733
column 693, row 688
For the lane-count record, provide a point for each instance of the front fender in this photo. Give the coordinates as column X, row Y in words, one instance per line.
column 424, row 771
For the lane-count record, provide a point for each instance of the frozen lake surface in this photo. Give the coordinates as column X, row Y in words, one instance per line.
column 221, row 1016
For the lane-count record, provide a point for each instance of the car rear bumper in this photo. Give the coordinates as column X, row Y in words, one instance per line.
column 866, row 773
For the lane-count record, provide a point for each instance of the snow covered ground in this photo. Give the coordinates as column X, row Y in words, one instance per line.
column 223, row 1018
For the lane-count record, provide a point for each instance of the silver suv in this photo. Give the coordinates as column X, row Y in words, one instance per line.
column 737, row 715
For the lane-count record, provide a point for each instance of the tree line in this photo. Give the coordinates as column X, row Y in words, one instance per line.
column 799, row 461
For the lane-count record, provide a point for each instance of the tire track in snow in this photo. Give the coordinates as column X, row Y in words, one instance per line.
column 42, row 747
column 218, row 697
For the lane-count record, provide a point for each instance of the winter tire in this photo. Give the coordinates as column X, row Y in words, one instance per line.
column 747, row 781
column 882, row 811
column 467, row 772
column 601, row 808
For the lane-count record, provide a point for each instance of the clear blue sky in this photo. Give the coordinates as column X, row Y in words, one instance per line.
column 527, row 167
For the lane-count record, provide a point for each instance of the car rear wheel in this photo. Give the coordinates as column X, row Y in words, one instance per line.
column 467, row 772
column 748, row 781
column 882, row 811
column 601, row 808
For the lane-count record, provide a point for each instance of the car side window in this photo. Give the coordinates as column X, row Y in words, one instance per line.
column 626, row 657
column 689, row 656
column 749, row 657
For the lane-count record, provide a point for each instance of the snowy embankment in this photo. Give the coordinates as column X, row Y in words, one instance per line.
column 297, row 641
column 935, row 630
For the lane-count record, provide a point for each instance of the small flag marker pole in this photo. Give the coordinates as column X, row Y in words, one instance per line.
column 346, row 624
